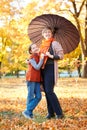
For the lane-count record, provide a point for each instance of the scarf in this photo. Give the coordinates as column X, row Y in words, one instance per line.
column 44, row 47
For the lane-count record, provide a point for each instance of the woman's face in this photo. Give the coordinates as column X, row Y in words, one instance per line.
column 47, row 34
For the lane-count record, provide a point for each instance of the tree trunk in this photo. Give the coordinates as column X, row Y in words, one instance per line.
column 17, row 73
column 86, row 32
column 85, row 53
column 85, row 70
column 0, row 70
column 83, row 42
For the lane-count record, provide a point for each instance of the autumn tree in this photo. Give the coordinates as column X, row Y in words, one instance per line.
column 14, row 20
column 77, row 15
column 12, row 36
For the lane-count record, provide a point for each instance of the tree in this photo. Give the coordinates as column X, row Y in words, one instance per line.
column 11, row 32
column 76, row 14
column 15, row 19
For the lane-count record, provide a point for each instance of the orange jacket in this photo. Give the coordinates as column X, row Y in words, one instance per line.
column 32, row 74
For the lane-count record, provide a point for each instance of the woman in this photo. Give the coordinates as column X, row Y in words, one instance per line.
column 54, row 52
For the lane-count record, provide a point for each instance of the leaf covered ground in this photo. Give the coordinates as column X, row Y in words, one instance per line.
column 71, row 92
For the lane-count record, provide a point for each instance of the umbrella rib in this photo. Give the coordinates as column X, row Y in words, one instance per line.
column 73, row 38
column 66, row 48
column 40, row 21
column 72, row 47
column 60, row 40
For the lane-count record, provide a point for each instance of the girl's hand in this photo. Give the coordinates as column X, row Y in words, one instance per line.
column 27, row 61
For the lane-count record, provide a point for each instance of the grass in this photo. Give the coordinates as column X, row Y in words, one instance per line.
column 72, row 94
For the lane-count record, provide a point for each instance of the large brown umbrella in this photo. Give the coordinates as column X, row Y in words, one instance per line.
column 65, row 32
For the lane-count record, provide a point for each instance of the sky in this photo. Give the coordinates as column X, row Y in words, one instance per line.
column 20, row 3
column 23, row 3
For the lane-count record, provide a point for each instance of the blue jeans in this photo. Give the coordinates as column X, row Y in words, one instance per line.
column 34, row 96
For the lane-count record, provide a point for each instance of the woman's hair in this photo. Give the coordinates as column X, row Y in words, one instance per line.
column 53, row 30
column 47, row 28
column 29, row 49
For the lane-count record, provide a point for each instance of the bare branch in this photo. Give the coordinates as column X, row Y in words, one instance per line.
column 74, row 6
column 81, row 7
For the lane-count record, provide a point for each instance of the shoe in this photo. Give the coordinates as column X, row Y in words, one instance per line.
column 50, row 116
column 59, row 116
column 26, row 115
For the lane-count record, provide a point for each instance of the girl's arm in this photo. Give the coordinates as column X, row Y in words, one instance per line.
column 38, row 65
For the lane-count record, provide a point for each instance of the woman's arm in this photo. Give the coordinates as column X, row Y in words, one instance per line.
column 49, row 55
column 55, row 57
column 58, row 50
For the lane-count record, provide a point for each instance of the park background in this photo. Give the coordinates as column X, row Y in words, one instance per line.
column 71, row 89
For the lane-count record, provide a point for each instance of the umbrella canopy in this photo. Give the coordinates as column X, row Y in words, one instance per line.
column 65, row 32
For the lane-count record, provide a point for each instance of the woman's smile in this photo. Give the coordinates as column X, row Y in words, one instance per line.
column 47, row 34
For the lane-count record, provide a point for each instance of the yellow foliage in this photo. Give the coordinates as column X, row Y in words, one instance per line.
column 72, row 0
column 15, row 31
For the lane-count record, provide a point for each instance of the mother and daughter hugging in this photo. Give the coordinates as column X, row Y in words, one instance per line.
column 42, row 68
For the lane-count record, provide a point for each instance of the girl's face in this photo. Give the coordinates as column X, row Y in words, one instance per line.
column 34, row 48
column 47, row 34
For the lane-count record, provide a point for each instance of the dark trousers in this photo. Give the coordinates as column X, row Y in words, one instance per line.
column 53, row 104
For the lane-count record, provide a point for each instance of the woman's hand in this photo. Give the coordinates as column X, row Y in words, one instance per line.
column 42, row 56
column 49, row 55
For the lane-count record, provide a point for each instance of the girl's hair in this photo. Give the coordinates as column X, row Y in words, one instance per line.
column 29, row 49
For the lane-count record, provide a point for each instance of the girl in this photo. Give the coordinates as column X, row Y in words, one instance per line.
column 33, row 78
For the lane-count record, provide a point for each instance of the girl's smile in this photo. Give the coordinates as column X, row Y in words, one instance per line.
column 34, row 48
